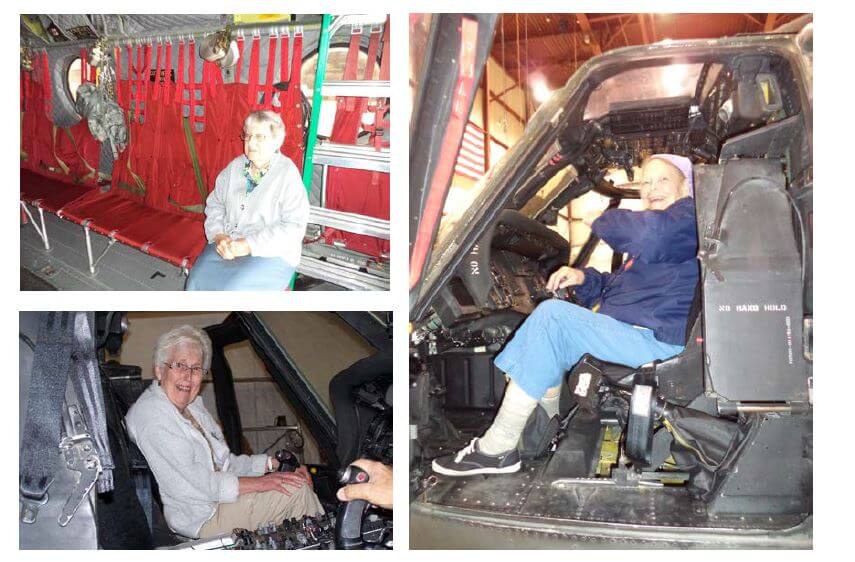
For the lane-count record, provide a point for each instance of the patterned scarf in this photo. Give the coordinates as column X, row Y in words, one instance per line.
column 253, row 178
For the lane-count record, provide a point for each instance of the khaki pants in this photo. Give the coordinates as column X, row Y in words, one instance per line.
column 252, row 510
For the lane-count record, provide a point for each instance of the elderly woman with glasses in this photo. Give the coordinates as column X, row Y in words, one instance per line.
column 255, row 217
column 206, row 489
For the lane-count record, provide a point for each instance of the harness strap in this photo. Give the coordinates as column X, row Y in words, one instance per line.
column 295, row 91
column 194, row 158
column 63, row 165
column 179, row 89
column 144, row 80
column 117, row 56
column 239, row 61
column 350, row 69
column 271, row 66
column 284, row 40
column 48, row 91
column 155, row 94
column 252, row 91
column 137, row 85
column 191, row 69
column 167, row 77
column 84, row 71
column 64, row 349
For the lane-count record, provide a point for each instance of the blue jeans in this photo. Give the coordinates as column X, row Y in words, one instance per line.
column 246, row 273
column 556, row 335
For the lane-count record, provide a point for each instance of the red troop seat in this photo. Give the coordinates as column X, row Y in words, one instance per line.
column 172, row 237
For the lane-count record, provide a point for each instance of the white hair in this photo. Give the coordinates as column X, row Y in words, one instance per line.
column 269, row 118
column 185, row 334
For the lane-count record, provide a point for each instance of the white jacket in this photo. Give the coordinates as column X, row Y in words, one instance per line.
column 272, row 218
column 180, row 458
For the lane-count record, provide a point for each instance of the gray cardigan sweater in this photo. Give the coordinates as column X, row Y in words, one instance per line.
column 272, row 218
column 180, row 458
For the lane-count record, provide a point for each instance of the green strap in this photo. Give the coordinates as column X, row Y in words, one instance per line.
column 191, row 148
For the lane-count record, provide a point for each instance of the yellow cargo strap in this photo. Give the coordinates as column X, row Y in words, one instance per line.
column 194, row 158
column 63, row 165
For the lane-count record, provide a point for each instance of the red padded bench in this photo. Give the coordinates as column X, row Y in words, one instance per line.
column 47, row 194
column 177, row 239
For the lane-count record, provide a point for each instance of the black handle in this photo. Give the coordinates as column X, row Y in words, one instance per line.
column 349, row 521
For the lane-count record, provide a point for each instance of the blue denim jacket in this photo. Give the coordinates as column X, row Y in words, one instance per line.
column 656, row 285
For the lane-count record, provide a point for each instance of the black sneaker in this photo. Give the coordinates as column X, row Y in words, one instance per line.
column 470, row 460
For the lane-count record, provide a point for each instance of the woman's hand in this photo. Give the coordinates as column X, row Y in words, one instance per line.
column 283, row 482
column 565, row 276
column 239, row 247
column 223, row 244
column 305, row 472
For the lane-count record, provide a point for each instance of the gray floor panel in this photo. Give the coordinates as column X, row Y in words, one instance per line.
column 66, row 266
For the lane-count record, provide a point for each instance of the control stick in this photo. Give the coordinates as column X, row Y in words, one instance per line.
column 349, row 521
column 288, row 461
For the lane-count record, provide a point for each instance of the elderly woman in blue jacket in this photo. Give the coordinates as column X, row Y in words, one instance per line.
column 632, row 317
column 255, row 217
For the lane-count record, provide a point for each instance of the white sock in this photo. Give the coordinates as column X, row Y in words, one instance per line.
column 549, row 402
column 508, row 426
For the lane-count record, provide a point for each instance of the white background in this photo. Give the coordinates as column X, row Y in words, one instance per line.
column 835, row 213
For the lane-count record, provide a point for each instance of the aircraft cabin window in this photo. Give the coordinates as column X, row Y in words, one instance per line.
column 73, row 78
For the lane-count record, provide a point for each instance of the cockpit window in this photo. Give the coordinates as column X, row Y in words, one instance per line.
column 648, row 83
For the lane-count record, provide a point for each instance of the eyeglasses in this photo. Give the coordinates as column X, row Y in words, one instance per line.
column 658, row 182
column 187, row 369
column 257, row 138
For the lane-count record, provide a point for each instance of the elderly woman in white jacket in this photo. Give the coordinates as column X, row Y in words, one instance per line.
column 255, row 217
column 206, row 490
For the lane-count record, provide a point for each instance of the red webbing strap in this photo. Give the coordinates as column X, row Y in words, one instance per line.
column 350, row 69
column 48, row 91
column 131, row 95
column 240, row 60
column 371, row 63
column 26, row 90
column 191, row 68
column 384, row 57
column 138, row 79
column 155, row 94
column 84, row 71
column 379, row 123
column 212, row 77
column 283, row 69
column 271, row 66
column 252, row 91
column 146, row 77
column 117, row 56
column 179, row 88
column 167, row 76
column 295, row 91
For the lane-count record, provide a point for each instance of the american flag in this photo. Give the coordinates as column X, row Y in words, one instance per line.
column 470, row 161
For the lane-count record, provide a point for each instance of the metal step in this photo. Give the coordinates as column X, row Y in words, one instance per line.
column 357, row 88
column 350, row 156
column 350, row 222
column 341, row 275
